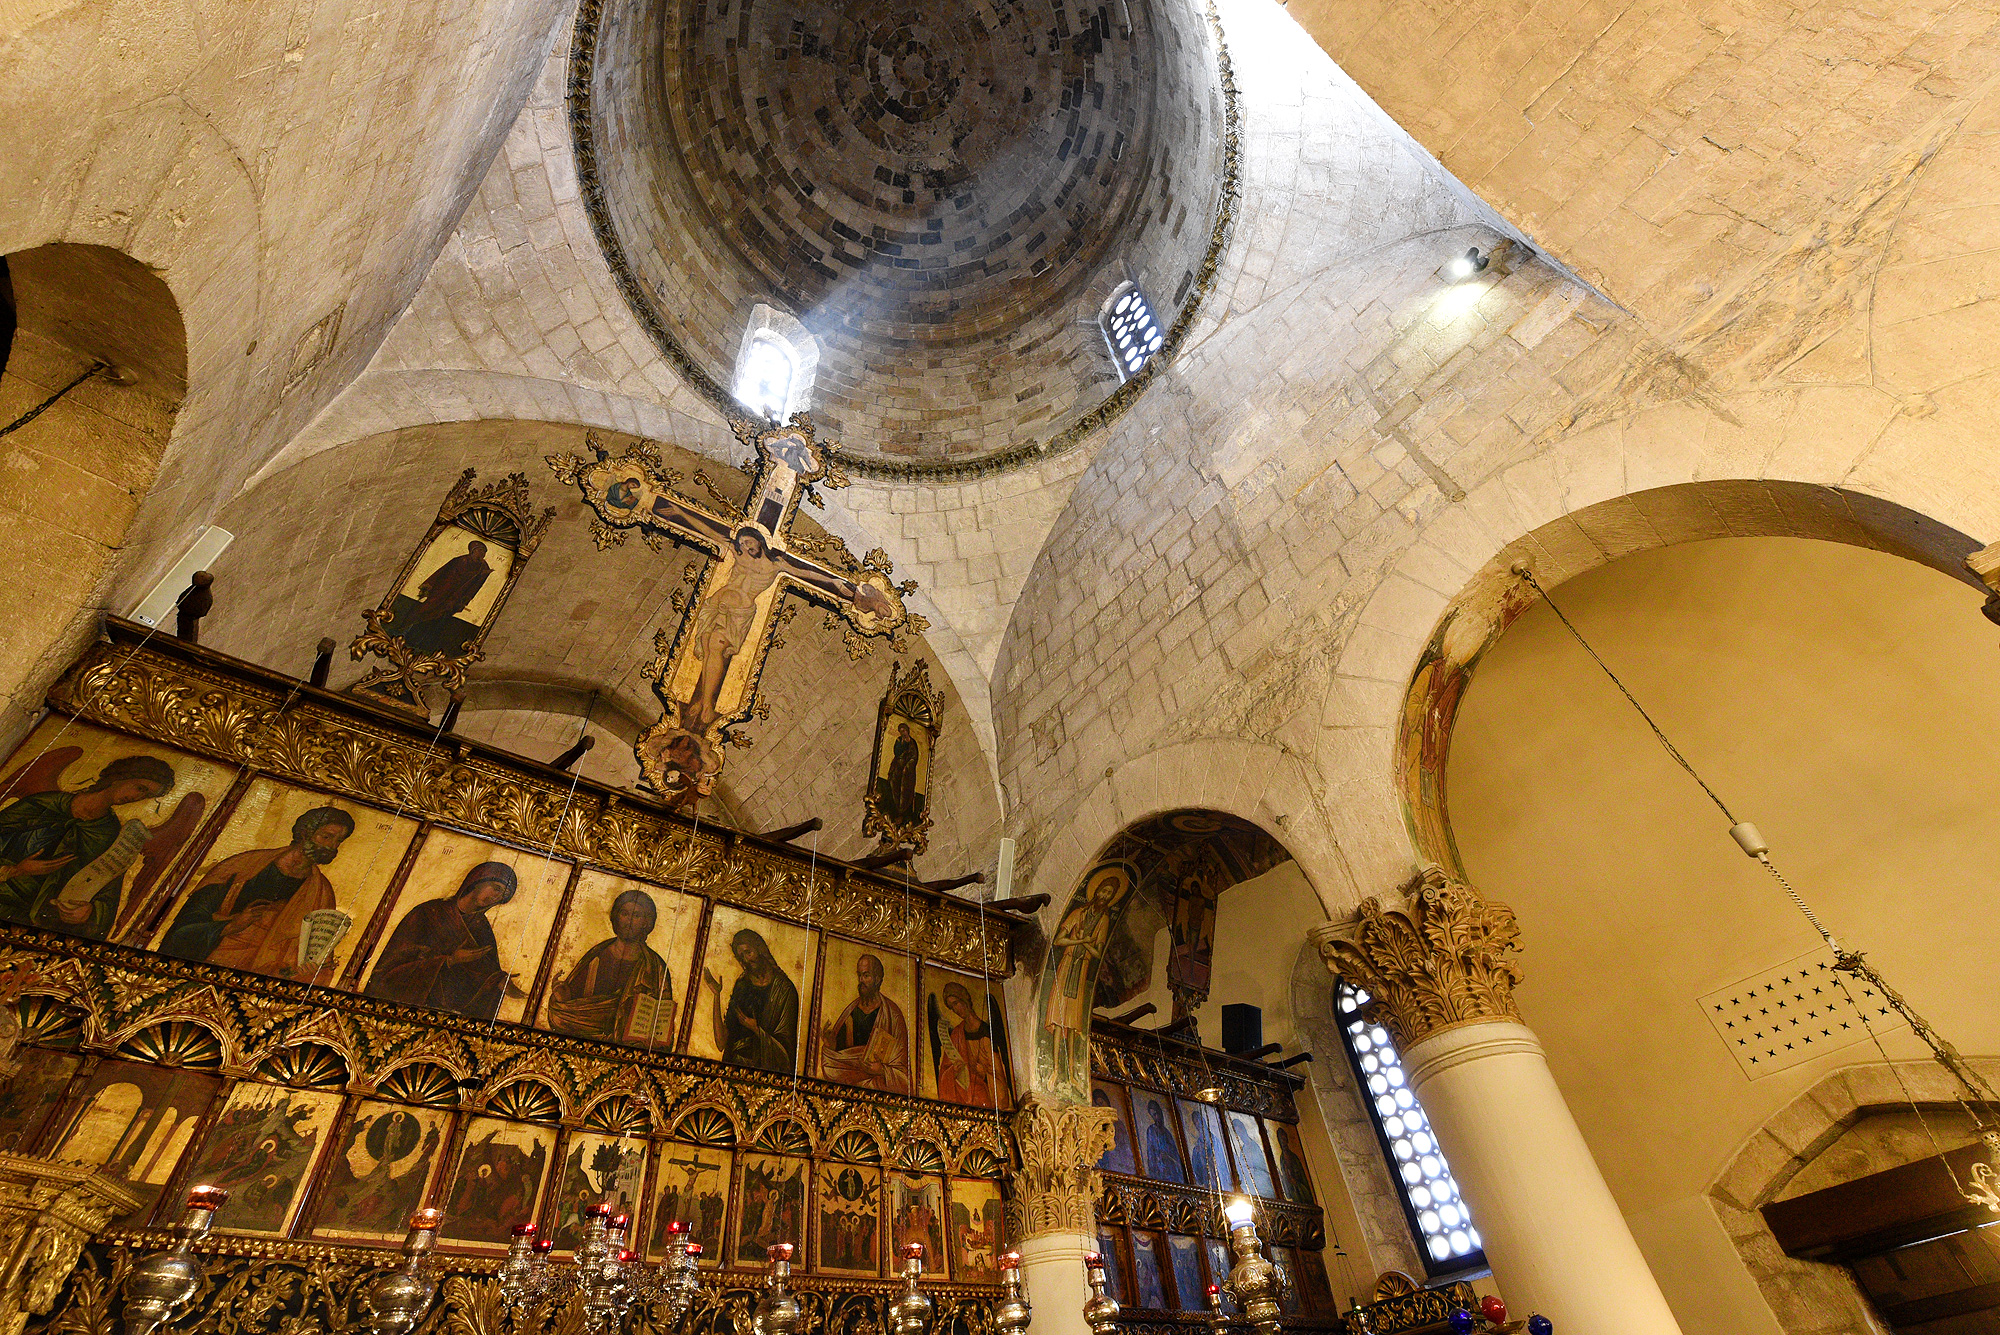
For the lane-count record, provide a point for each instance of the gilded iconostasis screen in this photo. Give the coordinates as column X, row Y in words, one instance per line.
column 273, row 951
column 1176, row 1157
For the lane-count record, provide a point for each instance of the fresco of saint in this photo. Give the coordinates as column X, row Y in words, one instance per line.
column 63, row 855
column 868, row 1043
column 621, row 989
column 760, row 1027
column 248, row 911
column 443, row 953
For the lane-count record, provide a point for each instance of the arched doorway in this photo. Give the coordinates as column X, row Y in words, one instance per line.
column 90, row 380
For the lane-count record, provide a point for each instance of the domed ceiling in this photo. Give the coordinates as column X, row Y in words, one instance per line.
column 943, row 197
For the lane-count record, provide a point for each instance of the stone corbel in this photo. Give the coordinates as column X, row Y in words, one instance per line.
column 1056, row 1189
column 48, row 1211
column 1434, row 959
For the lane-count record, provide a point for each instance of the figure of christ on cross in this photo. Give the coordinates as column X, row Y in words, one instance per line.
column 706, row 677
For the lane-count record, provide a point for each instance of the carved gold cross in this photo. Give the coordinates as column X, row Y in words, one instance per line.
column 706, row 670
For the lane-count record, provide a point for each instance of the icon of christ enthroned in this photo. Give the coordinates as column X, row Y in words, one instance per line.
column 706, row 669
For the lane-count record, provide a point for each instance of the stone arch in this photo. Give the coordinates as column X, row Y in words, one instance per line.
column 1803, row 1294
column 1765, row 466
column 1185, row 849
column 93, row 370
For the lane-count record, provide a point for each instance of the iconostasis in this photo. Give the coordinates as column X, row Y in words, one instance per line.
column 294, row 948
column 1177, row 1156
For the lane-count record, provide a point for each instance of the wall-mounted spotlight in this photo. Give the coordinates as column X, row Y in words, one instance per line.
column 1466, row 265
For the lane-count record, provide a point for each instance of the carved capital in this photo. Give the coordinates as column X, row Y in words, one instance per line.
column 1056, row 1189
column 48, row 1211
column 1434, row 960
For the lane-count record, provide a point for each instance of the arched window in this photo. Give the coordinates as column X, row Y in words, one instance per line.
column 1131, row 330
column 764, row 380
column 775, row 365
column 1438, row 1215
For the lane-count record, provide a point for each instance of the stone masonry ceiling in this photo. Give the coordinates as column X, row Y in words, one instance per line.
column 943, row 196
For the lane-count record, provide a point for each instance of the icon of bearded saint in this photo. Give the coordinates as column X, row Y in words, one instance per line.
column 64, row 854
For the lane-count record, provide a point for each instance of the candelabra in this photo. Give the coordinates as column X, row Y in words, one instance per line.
column 161, row 1284
column 605, row 1274
column 910, row 1314
column 394, row 1301
column 1014, row 1313
column 1100, row 1310
column 777, row 1311
column 1254, row 1283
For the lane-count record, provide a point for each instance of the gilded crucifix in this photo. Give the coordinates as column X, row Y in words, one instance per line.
column 706, row 670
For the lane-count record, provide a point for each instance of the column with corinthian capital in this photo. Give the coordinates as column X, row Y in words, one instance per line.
column 1437, row 962
column 1054, row 1206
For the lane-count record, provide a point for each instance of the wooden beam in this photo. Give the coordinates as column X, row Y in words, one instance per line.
column 1880, row 1212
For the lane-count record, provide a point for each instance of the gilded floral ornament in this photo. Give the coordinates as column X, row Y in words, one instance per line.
column 1057, row 1186
column 1437, row 960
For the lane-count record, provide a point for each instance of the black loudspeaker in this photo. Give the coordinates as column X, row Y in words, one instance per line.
column 1242, row 1028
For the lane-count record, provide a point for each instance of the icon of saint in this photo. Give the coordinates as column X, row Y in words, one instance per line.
column 621, row 989
column 868, row 1043
column 248, row 911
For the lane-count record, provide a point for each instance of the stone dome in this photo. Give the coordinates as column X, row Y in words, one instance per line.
column 943, row 199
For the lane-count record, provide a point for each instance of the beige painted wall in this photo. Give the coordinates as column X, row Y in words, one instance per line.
column 1839, row 699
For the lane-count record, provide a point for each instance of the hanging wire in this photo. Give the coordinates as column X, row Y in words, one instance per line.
column 1846, row 963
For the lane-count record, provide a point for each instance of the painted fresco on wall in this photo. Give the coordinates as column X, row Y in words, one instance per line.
column 262, row 1151
column 1159, row 1147
column 850, row 1219
column 622, row 965
column 1205, row 1152
column 1292, row 1172
column 865, row 1033
column 1251, row 1164
column 90, row 821
column 916, row 1214
column 134, row 1123
column 385, row 1160
column 965, row 1041
column 773, row 1196
column 498, row 1183
column 1120, row 1158
column 1184, row 1254
column 1069, row 979
column 898, row 805
column 978, row 1226
column 288, row 886
column 599, row 1168
column 754, row 973
column 1125, row 970
column 471, row 924
column 694, row 1190
column 446, row 597
column 31, row 1093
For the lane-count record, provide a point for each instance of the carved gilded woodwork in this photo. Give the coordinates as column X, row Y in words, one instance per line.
column 163, row 693
column 48, row 1211
column 1414, row 1309
column 1145, row 1203
column 119, row 992
column 1128, row 1057
column 1057, row 1184
column 1435, row 960
column 290, row 1288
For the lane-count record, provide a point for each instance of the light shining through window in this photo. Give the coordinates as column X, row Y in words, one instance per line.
column 764, row 385
column 1132, row 331
column 1438, row 1213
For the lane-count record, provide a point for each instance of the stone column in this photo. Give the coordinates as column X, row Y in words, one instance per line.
column 1054, row 1206
column 1436, row 963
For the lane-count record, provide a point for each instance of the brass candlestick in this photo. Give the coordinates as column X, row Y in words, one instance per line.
column 1100, row 1311
column 1014, row 1313
column 910, row 1314
column 162, row 1284
column 1253, row 1281
column 777, row 1311
column 394, row 1301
